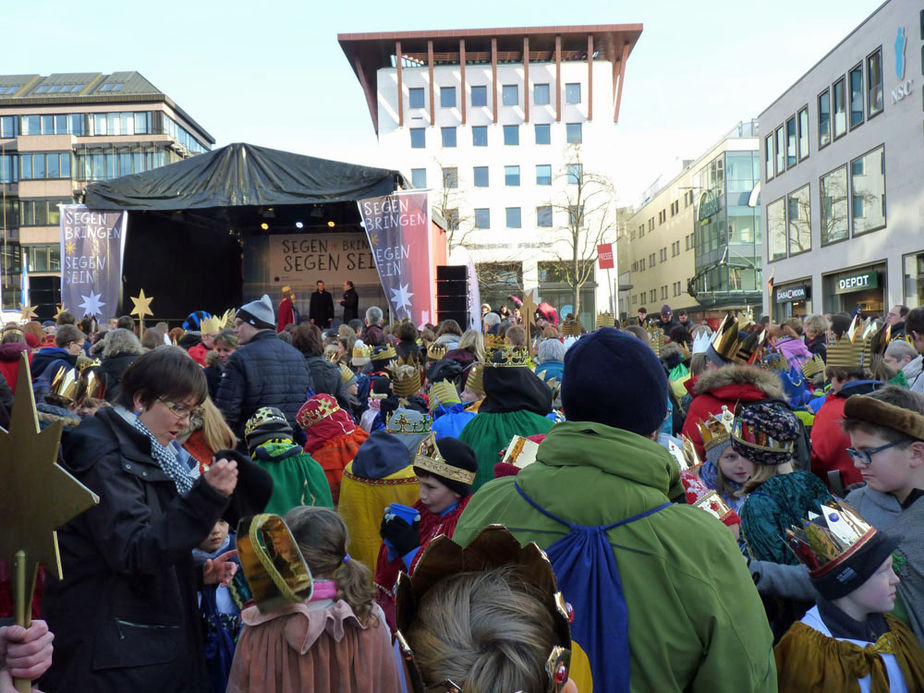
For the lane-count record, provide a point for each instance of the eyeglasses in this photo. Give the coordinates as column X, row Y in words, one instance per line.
column 865, row 457
column 181, row 411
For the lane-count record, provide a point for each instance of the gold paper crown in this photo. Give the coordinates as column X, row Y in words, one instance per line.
column 227, row 319
column 429, row 459
column 655, row 338
column 399, row 422
column 64, row 386
column 826, row 540
column 716, row 430
column 210, row 325
column 570, row 328
column 326, row 407
column 362, row 351
column 509, row 357
column 405, row 380
column 84, row 364
column 443, row 392
column 854, row 348
column 346, row 375
column 725, row 339
column 275, row 568
column 384, row 353
column 555, row 386
column 436, row 351
column 605, row 320
column 812, row 368
column 90, row 385
column 492, row 342
column 475, row 381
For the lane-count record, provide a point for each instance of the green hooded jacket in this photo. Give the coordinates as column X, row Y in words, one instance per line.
column 696, row 622
column 297, row 477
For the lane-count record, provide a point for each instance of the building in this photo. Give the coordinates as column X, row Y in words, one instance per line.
column 694, row 243
column 842, row 171
column 60, row 132
column 512, row 129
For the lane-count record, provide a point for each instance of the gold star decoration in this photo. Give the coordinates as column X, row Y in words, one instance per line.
column 529, row 307
column 69, row 247
column 142, row 305
column 373, row 239
column 28, row 312
column 38, row 495
column 61, row 309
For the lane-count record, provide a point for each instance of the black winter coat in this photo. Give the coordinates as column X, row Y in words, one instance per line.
column 265, row 372
column 125, row 616
column 350, row 303
column 321, row 309
column 114, row 367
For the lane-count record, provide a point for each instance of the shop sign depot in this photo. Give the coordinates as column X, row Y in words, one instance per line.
column 857, row 282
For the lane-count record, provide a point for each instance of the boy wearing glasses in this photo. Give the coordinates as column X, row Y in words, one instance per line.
column 886, row 432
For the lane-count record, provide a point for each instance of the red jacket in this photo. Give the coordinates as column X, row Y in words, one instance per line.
column 286, row 315
column 829, row 442
column 727, row 386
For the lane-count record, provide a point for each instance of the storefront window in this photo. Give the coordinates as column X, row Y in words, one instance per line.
column 867, row 192
column 834, row 206
column 776, row 229
column 800, row 221
column 861, row 288
column 913, row 273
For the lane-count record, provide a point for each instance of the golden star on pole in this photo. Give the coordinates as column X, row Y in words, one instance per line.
column 528, row 311
column 142, row 305
column 61, row 309
column 28, row 312
column 38, row 497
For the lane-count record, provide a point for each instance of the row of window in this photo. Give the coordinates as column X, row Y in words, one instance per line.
column 34, row 166
column 513, row 218
column 510, row 95
column 543, row 135
column 784, row 149
column 99, row 124
column 639, row 265
column 652, row 295
column 88, row 165
column 851, row 203
column 481, row 176
column 662, row 216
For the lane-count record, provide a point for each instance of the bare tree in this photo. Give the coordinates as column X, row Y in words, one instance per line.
column 446, row 202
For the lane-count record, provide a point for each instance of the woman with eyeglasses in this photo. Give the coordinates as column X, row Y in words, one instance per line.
column 125, row 616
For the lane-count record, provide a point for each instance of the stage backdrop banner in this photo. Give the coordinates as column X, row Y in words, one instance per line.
column 398, row 229
column 92, row 246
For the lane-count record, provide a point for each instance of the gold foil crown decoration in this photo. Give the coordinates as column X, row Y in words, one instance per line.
column 346, row 375
column 64, row 386
column 571, row 328
column 606, row 320
column 210, row 325
column 227, row 319
column 475, row 381
column 716, row 430
column 384, row 353
column 437, row 351
column 429, row 459
column 824, row 540
column 275, row 568
column 361, row 351
column 510, row 357
column 812, row 368
column 854, row 348
column 655, row 338
column 405, row 380
column 401, row 422
column 492, row 342
column 725, row 339
column 443, row 392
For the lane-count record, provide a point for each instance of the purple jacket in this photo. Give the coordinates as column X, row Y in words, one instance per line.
column 794, row 351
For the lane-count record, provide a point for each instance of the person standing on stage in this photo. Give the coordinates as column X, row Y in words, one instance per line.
column 350, row 302
column 321, row 308
column 287, row 313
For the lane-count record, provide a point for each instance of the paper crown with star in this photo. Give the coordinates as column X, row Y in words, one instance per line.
column 509, row 357
column 405, row 379
column 716, row 430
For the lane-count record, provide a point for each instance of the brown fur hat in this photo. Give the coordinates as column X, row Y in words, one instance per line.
column 875, row 411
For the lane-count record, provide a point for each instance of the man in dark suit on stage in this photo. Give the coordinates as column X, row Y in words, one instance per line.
column 321, row 307
column 350, row 302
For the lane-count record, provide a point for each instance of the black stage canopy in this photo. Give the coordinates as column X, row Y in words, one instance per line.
column 188, row 219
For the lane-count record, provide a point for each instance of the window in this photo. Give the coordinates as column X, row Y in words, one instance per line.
column 451, row 177
column 447, row 97
column 541, row 94
column 479, row 96
column 867, row 192
column 482, row 218
column 511, row 134
column 480, row 136
column 8, row 126
column 791, row 142
column 544, row 216
column 452, row 218
column 481, row 177
column 418, row 138
column 543, row 134
column 511, row 175
column 776, row 229
column 856, row 96
column 543, row 174
column 576, row 216
column 803, row 133
column 510, row 95
column 663, row 255
column 575, row 173
column 834, row 206
column 641, row 265
column 874, row 84
column 449, row 136
column 9, row 169
column 800, row 221
column 780, row 151
column 419, row 177
column 840, row 109
column 824, row 119
column 44, row 258
column 653, row 295
column 513, row 217
column 573, row 134
column 768, row 155
column 415, row 97
column 42, row 166
column 664, row 292
column 573, row 92
column 652, row 259
column 42, row 212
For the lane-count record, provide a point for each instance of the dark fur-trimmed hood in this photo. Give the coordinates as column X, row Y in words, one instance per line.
column 767, row 381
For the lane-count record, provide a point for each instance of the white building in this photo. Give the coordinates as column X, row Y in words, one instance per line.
column 843, row 174
column 508, row 127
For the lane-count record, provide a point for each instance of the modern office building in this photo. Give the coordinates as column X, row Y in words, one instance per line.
column 512, row 130
column 60, row 132
column 842, row 170
column 694, row 243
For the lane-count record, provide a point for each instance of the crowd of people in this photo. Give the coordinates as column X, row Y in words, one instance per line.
column 724, row 507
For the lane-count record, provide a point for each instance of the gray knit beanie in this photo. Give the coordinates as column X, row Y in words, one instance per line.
column 259, row 313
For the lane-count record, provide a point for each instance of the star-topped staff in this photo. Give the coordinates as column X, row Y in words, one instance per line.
column 38, row 496
column 28, row 312
column 142, row 308
column 528, row 311
column 61, row 309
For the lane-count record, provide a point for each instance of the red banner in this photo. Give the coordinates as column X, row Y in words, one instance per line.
column 605, row 256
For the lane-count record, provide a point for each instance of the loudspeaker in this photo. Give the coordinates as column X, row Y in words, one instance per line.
column 450, row 272
column 460, row 317
column 452, row 294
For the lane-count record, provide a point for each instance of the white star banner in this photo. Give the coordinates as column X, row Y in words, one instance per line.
column 92, row 246
column 398, row 229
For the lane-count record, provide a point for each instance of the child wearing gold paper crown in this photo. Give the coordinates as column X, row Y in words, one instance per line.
column 848, row 641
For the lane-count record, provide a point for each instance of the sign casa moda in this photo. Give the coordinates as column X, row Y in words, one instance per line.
column 793, row 293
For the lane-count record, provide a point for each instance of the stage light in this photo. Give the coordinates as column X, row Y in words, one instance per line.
column 264, row 226
column 331, row 224
column 298, row 224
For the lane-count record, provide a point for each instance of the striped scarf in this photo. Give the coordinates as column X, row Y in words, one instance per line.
column 183, row 477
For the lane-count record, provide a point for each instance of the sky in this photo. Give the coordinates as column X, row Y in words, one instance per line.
column 271, row 73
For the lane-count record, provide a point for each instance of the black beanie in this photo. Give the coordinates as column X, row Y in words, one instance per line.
column 614, row 378
column 456, row 454
column 849, row 573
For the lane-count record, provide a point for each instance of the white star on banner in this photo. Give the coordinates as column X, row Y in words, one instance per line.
column 91, row 304
column 401, row 297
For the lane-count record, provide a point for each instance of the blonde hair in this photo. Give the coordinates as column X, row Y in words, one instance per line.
column 217, row 434
column 322, row 538
column 762, row 473
column 489, row 631
column 473, row 341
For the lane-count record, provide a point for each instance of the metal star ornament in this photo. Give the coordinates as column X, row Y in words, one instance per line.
column 142, row 305
column 91, row 304
column 61, row 309
column 28, row 312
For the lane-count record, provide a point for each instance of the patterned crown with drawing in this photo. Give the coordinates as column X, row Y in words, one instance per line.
column 716, row 430
column 317, row 409
column 437, row 351
column 509, row 357
column 262, row 417
column 402, row 421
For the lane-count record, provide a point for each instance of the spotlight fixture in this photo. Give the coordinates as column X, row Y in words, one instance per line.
column 298, row 224
column 264, row 226
column 331, row 224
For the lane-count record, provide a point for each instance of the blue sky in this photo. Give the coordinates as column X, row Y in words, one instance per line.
column 272, row 73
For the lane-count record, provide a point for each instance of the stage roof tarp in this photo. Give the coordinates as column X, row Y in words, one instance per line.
column 242, row 175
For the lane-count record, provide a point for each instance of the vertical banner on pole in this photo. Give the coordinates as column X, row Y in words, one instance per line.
column 607, row 262
column 92, row 245
column 398, row 228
